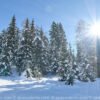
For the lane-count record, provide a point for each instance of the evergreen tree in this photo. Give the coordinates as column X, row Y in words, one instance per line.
column 1, row 48
column 45, row 52
column 72, row 73
column 40, row 58
column 10, row 46
column 25, row 48
column 32, row 28
column 67, row 68
column 86, row 71
column 13, row 40
column 54, row 47
column 63, row 58
column 0, row 44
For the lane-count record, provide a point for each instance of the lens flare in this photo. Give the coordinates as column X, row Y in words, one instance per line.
column 95, row 29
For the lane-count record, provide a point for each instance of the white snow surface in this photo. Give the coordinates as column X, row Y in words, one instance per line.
column 48, row 88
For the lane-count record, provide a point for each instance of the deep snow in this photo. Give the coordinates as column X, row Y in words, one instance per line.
column 48, row 88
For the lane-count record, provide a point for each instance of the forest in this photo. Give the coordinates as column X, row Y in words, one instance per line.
column 31, row 52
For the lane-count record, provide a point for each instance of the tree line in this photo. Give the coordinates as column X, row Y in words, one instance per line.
column 30, row 51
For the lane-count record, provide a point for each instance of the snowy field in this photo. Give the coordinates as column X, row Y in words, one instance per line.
column 48, row 88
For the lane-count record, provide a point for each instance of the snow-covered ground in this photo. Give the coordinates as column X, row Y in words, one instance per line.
column 48, row 88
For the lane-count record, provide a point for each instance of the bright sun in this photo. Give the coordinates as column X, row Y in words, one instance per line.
column 95, row 29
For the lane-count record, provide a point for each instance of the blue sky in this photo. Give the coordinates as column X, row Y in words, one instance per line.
column 68, row 12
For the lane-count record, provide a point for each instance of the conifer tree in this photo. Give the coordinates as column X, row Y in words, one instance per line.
column 72, row 73
column 63, row 58
column 25, row 48
column 54, row 47
column 0, row 44
column 13, row 40
column 10, row 46
column 40, row 44
column 32, row 28
column 67, row 68
column 86, row 71
column 45, row 52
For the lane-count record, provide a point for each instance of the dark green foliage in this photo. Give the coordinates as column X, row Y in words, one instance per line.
column 25, row 50
column 55, row 45
column 12, row 41
column 4, row 71
column 40, row 56
column 61, row 57
column 10, row 45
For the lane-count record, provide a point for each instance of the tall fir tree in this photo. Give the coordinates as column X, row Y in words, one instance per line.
column 54, row 47
column 40, row 44
column 45, row 52
column 13, row 40
column 66, row 71
column 10, row 46
column 25, row 48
